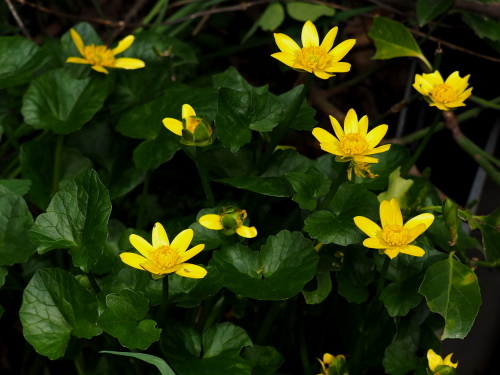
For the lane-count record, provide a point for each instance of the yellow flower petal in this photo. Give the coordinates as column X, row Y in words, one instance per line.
column 434, row 359
column 286, row 44
column 301, row 67
column 133, row 260
column 425, row 219
column 182, row 241
column 327, row 42
column 187, row 111
column 434, row 78
column 321, row 74
column 310, row 36
column 328, row 358
column 463, row 96
column 285, row 58
column 363, row 126
column 339, row 132
column 154, row 269
column 364, row 159
column 339, row 67
column 342, row 49
column 396, row 212
column 191, row 253
column 77, row 60
column 375, row 243
column 192, row 271
column 367, row 226
column 123, row 44
column 386, row 214
column 415, row 232
column 100, row 69
column 77, row 39
column 128, row 63
column 140, row 244
column 323, row 136
column 211, row 221
column 392, row 253
column 175, row 126
column 160, row 237
column 332, row 149
column 375, row 135
column 377, row 150
column 247, row 232
column 412, row 250
column 351, row 122
column 447, row 361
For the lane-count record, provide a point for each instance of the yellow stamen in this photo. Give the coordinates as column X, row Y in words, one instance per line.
column 191, row 124
column 164, row 257
column 444, row 93
column 313, row 58
column 395, row 235
column 353, row 144
column 99, row 55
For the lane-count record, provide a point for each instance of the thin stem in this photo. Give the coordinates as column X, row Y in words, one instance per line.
column 93, row 282
column 267, row 322
column 57, row 164
column 214, row 313
column 142, row 204
column 205, row 179
column 485, row 103
column 335, row 186
column 160, row 316
column 421, row 146
column 381, row 280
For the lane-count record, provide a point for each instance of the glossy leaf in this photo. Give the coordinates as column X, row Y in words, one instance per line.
column 231, row 79
column 452, row 290
column 77, row 219
column 400, row 297
column 323, row 280
column 20, row 187
column 159, row 363
column 55, row 307
column 355, row 275
column 490, row 229
column 151, row 154
column 308, row 186
column 427, row 10
column 304, row 119
column 304, row 11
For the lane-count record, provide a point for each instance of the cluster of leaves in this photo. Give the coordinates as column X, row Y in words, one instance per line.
column 86, row 145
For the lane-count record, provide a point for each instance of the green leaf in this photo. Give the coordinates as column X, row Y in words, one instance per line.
column 20, row 58
column 264, row 359
column 308, row 186
column 77, row 219
column 279, row 271
column 62, row 103
column 55, row 306
column 355, row 275
column 151, row 154
column 123, row 318
column 400, row 297
column 490, row 229
column 440, row 235
column 452, row 290
column 3, row 273
column 283, row 161
column 338, row 226
column 398, row 188
column 272, row 18
column 323, row 279
column 303, row 11
column 231, row 79
column 20, row 187
column 483, row 27
column 159, row 363
column 223, row 163
column 304, row 119
column 15, row 221
column 239, row 112
column 392, row 39
column 273, row 186
column 427, row 10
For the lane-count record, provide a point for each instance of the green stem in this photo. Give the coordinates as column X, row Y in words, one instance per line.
column 93, row 282
column 160, row 316
column 142, row 204
column 421, row 146
column 205, row 179
column 395, row 109
column 280, row 130
column 304, row 352
column 335, row 186
column 214, row 313
column 383, row 275
column 57, row 164
column 484, row 102
column 267, row 323
column 153, row 12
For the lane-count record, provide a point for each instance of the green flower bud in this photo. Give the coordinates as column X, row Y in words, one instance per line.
column 450, row 213
column 231, row 219
column 196, row 131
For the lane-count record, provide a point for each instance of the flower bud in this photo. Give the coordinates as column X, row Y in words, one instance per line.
column 450, row 213
column 232, row 218
column 196, row 131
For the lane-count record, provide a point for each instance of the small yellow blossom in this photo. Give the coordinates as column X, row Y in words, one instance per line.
column 321, row 60
column 394, row 237
column 333, row 365
column 353, row 143
column 194, row 130
column 163, row 257
column 436, row 361
column 360, row 169
column 101, row 57
column 445, row 95
column 229, row 221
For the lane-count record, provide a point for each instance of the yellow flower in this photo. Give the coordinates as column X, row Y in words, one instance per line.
column 394, row 237
column 360, row 169
column 321, row 60
column 436, row 360
column 101, row 57
column 445, row 95
column 352, row 143
column 194, row 130
column 229, row 221
column 333, row 364
column 163, row 257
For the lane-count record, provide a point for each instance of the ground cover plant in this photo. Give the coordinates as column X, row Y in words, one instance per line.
column 246, row 188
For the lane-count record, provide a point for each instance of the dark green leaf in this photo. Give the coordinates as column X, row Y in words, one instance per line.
column 279, row 271
column 62, row 103
column 3, row 273
column 264, row 359
column 452, row 290
column 151, row 154
column 15, row 221
column 55, row 307
column 483, row 27
column 392, row 39
column 283, row 161
column 20, row 187
column 439, row 235
column 124, row 319
column 273, row 186
column 356, row 274
column 304, row 11
column 308, row 186
column 77, row 219
column 239, row 112
column 224, row 163
column 304, row 119
column 231, row 79
column 400, row 298
column 427, row 10
column 323, row 279
column 490, row 229
column 159, row 363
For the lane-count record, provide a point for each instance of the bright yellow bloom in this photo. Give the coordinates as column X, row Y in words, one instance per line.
column 353, row 143
column 194, row 130
column 394, row 237
column 163, row 257
column 321, row 60
column 229, row 221
column 436, row 360
column 445, row 95
column 337, row 363
column 101, row 57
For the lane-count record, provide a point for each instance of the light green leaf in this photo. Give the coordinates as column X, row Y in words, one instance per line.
column 272, row 18
column 20, row 187
column 55, row 306
column 77, row 219
column 427, row 10
column 483, row 27
column 452, row 290
column 159, row 363
column 15, row 221
column 308, row 186
column 392, row 39
column 123, row 318
column 398, row 188
column 303, row 11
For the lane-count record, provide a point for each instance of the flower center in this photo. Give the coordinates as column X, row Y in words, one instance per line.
column 99, row 55
column 395, row 235
column 164, row 256
column 444, row 93
column 192, row 123
column 353, row 144
column 313, row 58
